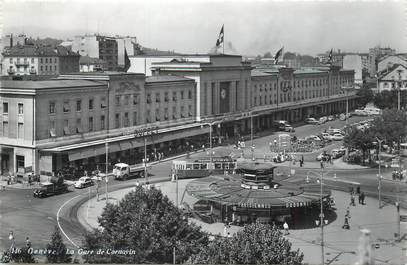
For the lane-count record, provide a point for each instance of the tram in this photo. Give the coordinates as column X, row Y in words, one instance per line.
column 203, row 167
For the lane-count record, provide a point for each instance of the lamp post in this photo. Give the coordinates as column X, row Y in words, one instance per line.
column 321, row 215
column 251, row 134
column 107, row 168
column 379, row 176
column 346, row 89
column 399, row 89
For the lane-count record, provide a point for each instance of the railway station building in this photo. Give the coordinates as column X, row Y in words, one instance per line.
column 66, row 124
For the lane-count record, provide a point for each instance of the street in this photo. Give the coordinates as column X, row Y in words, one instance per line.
column 36, row 218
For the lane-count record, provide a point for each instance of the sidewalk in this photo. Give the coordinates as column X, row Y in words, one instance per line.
column 341, row 245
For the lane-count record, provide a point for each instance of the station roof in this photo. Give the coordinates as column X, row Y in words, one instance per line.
column 44, row 84
column 166, row 78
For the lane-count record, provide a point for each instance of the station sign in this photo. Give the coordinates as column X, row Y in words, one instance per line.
column 143, row 132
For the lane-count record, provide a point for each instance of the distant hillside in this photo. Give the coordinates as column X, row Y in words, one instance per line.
column 141, row 50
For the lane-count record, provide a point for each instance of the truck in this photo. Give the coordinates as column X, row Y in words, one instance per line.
column 48, row 189
column 123, row 171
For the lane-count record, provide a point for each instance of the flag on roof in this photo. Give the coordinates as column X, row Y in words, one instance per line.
column 330, row 56
column 126, row 61
column 278, row 55
column 219, row 41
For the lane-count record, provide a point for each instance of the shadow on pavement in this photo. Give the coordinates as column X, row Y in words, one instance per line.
column 308, row 222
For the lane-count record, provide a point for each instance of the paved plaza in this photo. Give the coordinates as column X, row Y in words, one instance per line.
column 341, row 245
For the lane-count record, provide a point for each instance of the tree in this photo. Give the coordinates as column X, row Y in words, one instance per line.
column 23, row 255
column 359, row 139
column 256, row 244
column 146, row 224
column 390, row 126
column 365, row 95
column 57, row 249
column 388, row 99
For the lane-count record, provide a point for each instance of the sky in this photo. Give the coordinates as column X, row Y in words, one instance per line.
column 252, row 26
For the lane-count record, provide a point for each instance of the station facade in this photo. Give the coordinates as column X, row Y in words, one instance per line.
column 66, row 123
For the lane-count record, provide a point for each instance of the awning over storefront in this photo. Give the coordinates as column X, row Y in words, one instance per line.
column 76, row 152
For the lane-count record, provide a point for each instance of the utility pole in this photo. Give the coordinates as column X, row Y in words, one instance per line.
column 321, row 216
column 107, row 168
column 380, row 174
column 251, row 134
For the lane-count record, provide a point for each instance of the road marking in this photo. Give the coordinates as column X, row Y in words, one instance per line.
column 59, row 225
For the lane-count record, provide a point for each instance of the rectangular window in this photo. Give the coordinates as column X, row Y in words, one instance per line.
column 157, row 115
column 79, row 126
column 66, row 106
column 78, row 105
column 182, row 94
column 189, row 94
column 46, row 61
column 52, row 107
column 126, row 99
column 52, row 131
column 55, row 67
column 166, row 99
column 102, row 122
column 32, row 60
column 41, row 61
column 148, row 119
column 46, row 68
column 182, row 112
column 157, row 97
column 166, row 114
column 148, row 98
column 20, row 130
column 5, row 128
column 126, row 120
column 66, row 127
column 103, row 102
column 41, row 68
column 20, row 108
column 91, row 104
column 117, row 100
column 174, row 96
column 117, row 120
column 189, row 110
column 174, row 112
column 134, row 118
column 135, row 99
column 90, row 124
column 5, row 107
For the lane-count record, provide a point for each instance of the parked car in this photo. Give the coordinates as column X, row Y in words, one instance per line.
column 311, row 121
column 336, row 153
column 313, row 138
column 337, row 137
column 331, row 118
column 324, row 156
column 323, row 119
column 333, row 131
column 360, row 112
column 326, row 136
column 83, row 182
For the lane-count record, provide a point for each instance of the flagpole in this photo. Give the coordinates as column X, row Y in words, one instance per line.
column 223, row 44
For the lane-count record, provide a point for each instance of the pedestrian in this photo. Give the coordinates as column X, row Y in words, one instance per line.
column 352, row 200
column 301, row 162
column 358, row 190
column 362, row 198
column 351, row 190
column 347, row 212
column 346, row 223
column 27, row 242
column 285, row 226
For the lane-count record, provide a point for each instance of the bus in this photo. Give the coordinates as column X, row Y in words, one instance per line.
column 403, row 149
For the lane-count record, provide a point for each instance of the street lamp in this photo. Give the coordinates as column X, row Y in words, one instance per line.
column 251, row 134
column 346, row 89
column 210, row 124
column 107, row 168
column 399, row 88
column 321, row 215
column 379, row 176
